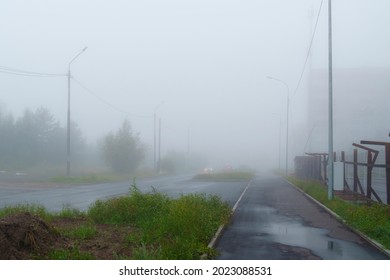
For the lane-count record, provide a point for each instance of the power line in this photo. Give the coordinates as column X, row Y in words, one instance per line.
column 19, row 72
column 106, row 102
column 308, row 52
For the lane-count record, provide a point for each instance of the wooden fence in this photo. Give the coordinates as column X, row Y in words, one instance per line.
column 314, row 166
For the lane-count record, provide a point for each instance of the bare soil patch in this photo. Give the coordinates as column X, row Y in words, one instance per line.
column 25, row 236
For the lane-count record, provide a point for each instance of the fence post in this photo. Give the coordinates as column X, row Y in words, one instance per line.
column 369, row 174
column 326, row 160
column 355, row 170
column 387, row 150
column 345, row 177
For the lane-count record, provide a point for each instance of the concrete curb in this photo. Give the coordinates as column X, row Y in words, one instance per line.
column 374, row 243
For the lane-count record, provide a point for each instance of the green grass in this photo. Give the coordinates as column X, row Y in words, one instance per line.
column 99, row 177
column 91, row 178
column 67, row 212
column 226, row 176
column 70, row 254
column 372, row 219
column 168, row 228
column 161, row 227
column 22, row 208
column 40, row 211
column 82, row 232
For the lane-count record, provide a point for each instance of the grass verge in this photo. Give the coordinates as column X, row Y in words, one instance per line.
column 372, row 219
column 136, row 226
column 226, row 176
column 100, row 177
column 166, row 228
column 91, row 178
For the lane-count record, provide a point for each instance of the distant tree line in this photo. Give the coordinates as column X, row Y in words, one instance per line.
column 36, row 138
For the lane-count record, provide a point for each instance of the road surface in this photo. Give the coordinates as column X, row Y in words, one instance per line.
column 274, row 221
column 55, row 198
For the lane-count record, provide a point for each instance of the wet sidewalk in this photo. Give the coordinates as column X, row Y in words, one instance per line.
column 275, row 221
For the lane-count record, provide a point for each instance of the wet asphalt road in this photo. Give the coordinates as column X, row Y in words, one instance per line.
column 274, row 221
column 55, row 198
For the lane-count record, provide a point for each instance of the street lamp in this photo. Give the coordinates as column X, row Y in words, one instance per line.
column 287, row 118
column 330, row 107
column 280, row 135
column 68, row 126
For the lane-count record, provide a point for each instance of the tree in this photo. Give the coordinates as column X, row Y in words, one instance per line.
column 7, row 139
column 174, row 162
column 38, row 131
column 123, row 151
column 35, row 138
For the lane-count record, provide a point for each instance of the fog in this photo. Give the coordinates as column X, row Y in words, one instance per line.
column 201, row 68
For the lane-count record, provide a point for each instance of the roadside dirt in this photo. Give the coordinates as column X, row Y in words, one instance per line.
column 24, row 237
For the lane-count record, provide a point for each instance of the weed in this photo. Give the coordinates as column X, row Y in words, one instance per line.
column 161, row 227
column 145, row 252
column 69, row 254
column 180, row 228
column 34, row 209
column 69, row 213
column 82, row 232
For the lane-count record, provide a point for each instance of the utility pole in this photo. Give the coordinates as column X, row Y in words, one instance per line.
column 188, row 149
column 154, row 135
column 68, row 130
column 280, row 138
column 287, row 117
column 330, row 132
column 68, row 118
column 159, row 145
column 154, row 141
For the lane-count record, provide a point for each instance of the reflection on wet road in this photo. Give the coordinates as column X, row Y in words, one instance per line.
column 293, row 232
column 260, row 231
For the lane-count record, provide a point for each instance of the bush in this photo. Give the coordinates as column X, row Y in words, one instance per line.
column 123, row 151
column 167, row 228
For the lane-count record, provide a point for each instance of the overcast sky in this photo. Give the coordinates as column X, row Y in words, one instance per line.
column 207, row 61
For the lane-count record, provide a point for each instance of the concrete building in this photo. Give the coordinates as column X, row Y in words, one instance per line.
column 361, row 107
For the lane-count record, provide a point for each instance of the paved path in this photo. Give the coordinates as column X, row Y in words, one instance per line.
column 276, row 221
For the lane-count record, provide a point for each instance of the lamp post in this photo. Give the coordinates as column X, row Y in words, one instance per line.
column 159, row 146
column 280, row 135
column 330, row 109
column 287, row 116
column 68, row 122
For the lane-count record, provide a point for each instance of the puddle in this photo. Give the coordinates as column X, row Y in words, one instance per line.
column 293, row 232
